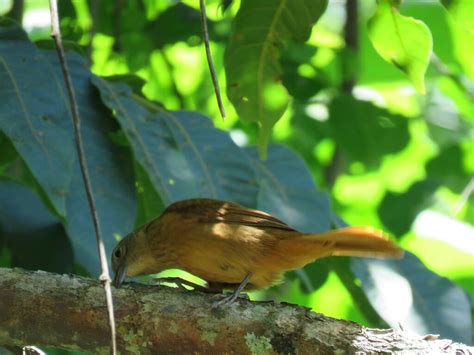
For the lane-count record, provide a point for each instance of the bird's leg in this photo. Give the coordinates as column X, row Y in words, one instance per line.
column 227, row 300
column 181, row 283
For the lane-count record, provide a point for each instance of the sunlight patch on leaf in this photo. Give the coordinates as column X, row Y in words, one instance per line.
column 402, row 41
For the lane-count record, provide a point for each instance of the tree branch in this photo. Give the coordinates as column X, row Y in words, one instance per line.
column 69, row 312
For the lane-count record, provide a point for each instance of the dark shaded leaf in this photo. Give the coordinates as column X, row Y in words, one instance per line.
column 41, row 129
column 149, row 202
column 163, row 30
column 288, row 191
column 406, row 292
column 398, row 210
column 8, row 152
column 135, row 82
column 365, row 132
column 43, row 137
column 182, row 153
column 300, row 87
column 448, row 169
column 36, row 239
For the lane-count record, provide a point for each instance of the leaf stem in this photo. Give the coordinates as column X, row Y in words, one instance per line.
column 205, row 33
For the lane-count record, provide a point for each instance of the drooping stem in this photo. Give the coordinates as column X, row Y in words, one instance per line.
column 205, row 33
column 104, row 277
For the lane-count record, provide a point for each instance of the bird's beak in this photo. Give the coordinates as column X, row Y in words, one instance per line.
column 120, row 275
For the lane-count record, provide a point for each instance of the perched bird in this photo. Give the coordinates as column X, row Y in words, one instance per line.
column 233, row 247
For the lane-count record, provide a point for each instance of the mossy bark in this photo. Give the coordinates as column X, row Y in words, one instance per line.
column 69, row 312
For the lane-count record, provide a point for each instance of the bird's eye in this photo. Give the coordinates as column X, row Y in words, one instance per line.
column 118, row 253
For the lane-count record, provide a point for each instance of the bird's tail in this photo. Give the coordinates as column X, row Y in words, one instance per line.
column 349, row 241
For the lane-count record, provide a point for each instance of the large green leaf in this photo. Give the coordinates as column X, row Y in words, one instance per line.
column 261, row 29
column 365, row 132
column 406, row 292
column 35, row 237
column 37, row 121
column 34, row 117
column 402, row 41
column 183, row 154
column 288, row 191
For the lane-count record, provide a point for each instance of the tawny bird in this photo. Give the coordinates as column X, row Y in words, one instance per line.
column 233, row 247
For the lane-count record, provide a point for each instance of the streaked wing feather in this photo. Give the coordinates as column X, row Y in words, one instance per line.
column 216, row 211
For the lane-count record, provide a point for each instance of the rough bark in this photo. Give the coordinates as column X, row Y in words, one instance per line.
column 69, row 312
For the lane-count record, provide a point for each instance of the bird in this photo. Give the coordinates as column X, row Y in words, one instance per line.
column 233, row 247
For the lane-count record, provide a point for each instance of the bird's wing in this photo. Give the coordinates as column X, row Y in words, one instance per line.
column 216, row 211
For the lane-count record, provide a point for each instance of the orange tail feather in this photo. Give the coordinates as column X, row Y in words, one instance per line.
column 295, row 252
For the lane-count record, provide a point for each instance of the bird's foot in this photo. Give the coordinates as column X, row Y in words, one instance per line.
column 226, row 299
column 229, row 299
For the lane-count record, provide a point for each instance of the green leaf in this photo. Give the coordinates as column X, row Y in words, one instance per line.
column 149, row 202
column 447, row 168
column 43, row 136
column 183, row 154
column 398, row 210
column 261, row 30
column 163, row 29
column 36, row 119
column 8, row 152
column 402, row 41
column 462, row 12
column 365, row 132
column 34, row 236
column 406, row 292
column 288, row 191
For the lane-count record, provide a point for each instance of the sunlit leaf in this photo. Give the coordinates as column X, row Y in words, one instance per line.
column 261, row 30
column 462, row 12
column 404, row 292
column 402, row 41
column 183, row 154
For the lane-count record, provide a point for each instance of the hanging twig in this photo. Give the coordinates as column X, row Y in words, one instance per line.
column 205, row 33
column 93, row 7
column 104, row 277
column 465, row 194
column 442, row 69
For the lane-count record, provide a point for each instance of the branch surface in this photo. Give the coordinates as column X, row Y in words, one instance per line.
column 69, row 312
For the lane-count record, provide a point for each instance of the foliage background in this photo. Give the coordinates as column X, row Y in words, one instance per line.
column 386, row 155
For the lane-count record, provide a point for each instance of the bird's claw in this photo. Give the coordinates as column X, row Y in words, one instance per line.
column 227, row 299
